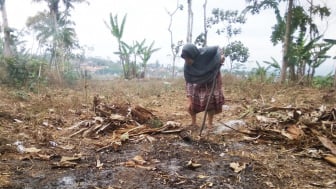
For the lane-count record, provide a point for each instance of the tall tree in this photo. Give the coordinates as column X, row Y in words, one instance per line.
column 304, row 42
column 332, row 42
column 227, row 23
column 190, row 22
column 55, row 31
column 237, row 53
column 175, row 48
column 294, row 25
column 255, row 7
column 5, row 28
column 286, row 43
column 117, row 31
column 205, row 25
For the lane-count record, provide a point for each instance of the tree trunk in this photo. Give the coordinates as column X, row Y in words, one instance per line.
column 205, row 24
column 172, row 42
column 7, row 47
column 335, row 77
column 172, row 46
column 190, row 22
column 286, row 42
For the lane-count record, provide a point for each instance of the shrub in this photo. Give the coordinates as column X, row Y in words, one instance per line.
column 22, row 72
column 323, row 81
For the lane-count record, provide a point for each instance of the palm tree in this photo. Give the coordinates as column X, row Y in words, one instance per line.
column 55, row 31
column 59, row 41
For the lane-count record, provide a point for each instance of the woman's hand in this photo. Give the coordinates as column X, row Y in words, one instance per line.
column 222, row 59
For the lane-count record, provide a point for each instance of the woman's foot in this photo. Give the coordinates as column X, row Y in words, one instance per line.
column 210, row 126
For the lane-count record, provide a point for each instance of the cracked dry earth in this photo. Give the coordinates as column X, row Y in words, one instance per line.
column 53, row 157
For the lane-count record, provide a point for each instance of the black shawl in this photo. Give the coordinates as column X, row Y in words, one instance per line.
column 205, row 66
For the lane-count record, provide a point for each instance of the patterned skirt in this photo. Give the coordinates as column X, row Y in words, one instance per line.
column 200, row 94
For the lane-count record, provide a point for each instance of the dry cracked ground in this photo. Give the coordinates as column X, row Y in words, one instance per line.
column 135, row 134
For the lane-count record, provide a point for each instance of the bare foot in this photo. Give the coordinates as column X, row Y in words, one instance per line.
column 210, row 127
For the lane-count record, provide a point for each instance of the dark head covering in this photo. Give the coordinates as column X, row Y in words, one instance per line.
column 205, row 66
column 190, row 51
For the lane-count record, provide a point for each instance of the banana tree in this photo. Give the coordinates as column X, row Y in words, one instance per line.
column 306, row 55
column 260, row 72
column 124, row 54
column 146, row 53
column 274, row 64
column 131, row 53
column 332, row 42
column 295, row 21
column 117, row 31
column 319, row 56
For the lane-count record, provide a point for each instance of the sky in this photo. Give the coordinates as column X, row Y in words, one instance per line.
column 149, row 19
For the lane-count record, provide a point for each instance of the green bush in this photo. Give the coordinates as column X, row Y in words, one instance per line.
column 71, row 77
column 323, row 81
column 23, row 72
column 17, row 73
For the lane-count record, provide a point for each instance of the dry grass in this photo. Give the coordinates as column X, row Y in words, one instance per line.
column 282, row 163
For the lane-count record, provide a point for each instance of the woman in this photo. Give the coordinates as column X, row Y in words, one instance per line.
column 201, row 70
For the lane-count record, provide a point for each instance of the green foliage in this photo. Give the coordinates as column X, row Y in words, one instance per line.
column 24, row 72
column 273, row 64
column 237, row 53
column 145, row 53
column 155, row 123
column 116, row 30
column 224, row 22
column 256, row 5
column 17, row 72
column 323, row 81
column 227, row 22
column 262, row 74
column 331, row 42
column 230, row 17
column 71, row 77
column 303, row 48
column 55, row 32
column 129, row 54
column 302, row 24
